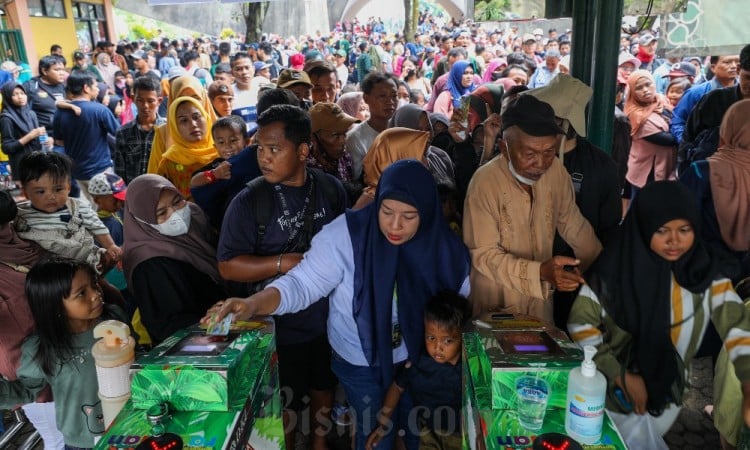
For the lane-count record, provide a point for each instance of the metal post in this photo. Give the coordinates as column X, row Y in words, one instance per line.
column 602, row 106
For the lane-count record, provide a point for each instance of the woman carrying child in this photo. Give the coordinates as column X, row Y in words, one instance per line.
column 16, row 258
column 378, row 266
column 66, row 303
column 652, row 152
column 648, row 307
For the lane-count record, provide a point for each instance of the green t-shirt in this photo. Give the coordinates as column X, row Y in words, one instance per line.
column 78, row 410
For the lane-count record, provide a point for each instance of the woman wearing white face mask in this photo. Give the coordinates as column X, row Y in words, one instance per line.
column 169, row 257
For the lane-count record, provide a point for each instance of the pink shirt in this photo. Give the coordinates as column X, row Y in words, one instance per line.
column 645, row 156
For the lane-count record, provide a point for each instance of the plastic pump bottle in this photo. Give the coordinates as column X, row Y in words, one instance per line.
column 584, row 412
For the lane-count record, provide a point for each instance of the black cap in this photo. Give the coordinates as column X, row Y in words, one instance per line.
column 531, row 115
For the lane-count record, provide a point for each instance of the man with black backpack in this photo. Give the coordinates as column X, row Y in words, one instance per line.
column 267, row 228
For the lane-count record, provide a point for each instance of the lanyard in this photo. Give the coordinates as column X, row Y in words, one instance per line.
column 300, row 217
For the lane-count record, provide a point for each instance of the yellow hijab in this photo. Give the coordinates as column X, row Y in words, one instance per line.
column 189, row 86
column 182, row 151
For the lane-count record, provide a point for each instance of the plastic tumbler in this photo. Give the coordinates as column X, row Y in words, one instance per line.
column 532, row 396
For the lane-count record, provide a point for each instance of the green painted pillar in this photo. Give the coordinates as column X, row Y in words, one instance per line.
column 584, row 36
column 602, row 105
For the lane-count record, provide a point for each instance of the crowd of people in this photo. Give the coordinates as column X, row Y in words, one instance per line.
column 373, row 192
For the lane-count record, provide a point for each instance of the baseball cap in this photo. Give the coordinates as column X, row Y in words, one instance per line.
column 626, row 57
column 537, row 32
column 341, row 52
column 260, row 65
column 297, row 61
column 140, row 54
column 290, row 77
column 682, row 69
column 313, row 55
column 646, row 39
column 568, row 98
column 78, row 55
column 528, row 37
column 108, row 184
column 311, row 65
column 330, row 117
column 531, row 115
column 176, row 71
column 552, row 53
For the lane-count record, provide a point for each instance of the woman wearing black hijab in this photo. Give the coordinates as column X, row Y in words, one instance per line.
column 646, row 307
column 19, row 126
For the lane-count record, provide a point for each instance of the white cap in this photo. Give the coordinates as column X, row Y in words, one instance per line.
column 588, row 368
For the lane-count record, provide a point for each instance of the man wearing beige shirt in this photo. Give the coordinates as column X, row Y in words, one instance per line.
column 514, row 205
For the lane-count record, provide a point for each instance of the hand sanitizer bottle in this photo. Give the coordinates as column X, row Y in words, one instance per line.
column 584, row 412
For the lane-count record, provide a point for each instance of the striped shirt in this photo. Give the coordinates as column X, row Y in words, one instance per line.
column 589, row 324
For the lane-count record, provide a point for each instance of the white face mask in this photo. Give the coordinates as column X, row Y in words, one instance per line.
column 176, row 225
column 402, row 102
column 518, row 176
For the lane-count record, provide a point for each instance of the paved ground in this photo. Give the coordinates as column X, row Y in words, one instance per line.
column 692, row 431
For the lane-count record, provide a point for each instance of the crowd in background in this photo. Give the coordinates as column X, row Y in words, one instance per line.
column 184, row 175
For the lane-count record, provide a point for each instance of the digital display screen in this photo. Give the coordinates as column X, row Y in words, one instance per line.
column 199, row 344
column 527, row 341
column 531, row 348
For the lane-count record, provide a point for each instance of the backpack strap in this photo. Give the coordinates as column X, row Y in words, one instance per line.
column 261, row 203
column 330, row 191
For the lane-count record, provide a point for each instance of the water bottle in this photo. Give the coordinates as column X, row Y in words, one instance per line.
column 43, row 139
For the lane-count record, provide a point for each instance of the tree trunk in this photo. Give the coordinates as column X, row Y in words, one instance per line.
column 411, row 16
column 254, row 14
column 408, row 30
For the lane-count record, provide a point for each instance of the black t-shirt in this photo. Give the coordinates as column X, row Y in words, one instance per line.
column 42, row 98
column 239, row 234
column 172, row 295
column 437, row 388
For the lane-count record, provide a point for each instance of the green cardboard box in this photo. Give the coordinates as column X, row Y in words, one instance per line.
column 489, row 416
column 258, row 419
column 504, row 353
column 195, row 372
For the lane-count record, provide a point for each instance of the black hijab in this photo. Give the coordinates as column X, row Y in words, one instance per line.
column 633, row 283
column 22, row 116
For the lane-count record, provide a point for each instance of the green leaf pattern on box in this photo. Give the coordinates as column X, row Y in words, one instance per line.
column 218, row 383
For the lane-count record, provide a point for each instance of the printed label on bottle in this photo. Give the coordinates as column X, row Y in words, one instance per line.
column 586, row 418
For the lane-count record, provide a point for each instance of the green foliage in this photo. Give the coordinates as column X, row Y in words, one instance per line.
column 140, row 32
column 488, row 10
column 226, row 33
